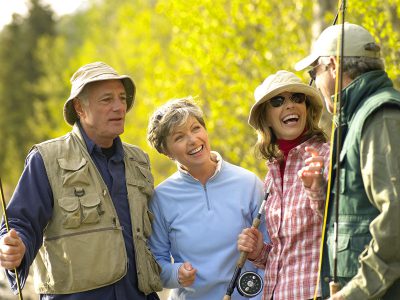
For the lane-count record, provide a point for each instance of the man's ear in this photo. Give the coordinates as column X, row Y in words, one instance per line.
column 333, row 65
column 78, row 107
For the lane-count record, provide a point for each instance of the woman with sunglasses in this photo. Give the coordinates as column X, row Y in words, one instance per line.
column 286, row 116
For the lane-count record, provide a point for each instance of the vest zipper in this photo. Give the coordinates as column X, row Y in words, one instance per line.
column 83, row 232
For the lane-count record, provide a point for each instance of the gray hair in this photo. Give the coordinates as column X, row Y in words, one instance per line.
column 172, row 114
column 356, row 66
column 83, row 96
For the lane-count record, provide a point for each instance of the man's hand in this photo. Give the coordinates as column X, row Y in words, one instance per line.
column 12, row 250
column 337, row 296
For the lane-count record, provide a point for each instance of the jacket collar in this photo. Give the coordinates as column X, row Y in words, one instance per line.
column 360, row 89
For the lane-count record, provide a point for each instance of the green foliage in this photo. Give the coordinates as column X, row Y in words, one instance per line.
column 19, row 74
column 382, row 19
column 218, row 51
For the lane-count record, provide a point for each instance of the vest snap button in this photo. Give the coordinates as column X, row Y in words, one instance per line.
column 79, row 192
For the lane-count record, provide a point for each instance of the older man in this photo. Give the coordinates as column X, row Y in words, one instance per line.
column 369, row 204
column 79, row 213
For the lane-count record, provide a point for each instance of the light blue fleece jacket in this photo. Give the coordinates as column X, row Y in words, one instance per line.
column 200, row 224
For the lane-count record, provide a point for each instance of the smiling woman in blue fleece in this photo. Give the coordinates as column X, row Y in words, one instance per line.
column 199, row 210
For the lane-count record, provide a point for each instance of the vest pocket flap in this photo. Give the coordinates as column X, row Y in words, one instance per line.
column 69, row 204
column 343, row 242
column 144, row 187
column 135, row 182
column 71, row 164
column 146, row 173
column 354, row 243
column 90, row 200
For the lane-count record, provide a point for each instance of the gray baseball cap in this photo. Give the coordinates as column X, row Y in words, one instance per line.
column 358, row 42
column 96, row 71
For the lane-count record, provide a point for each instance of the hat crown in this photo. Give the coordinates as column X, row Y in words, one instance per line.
column 356, row 38
column 275, row 81
column 92, row 71
column 358, row 42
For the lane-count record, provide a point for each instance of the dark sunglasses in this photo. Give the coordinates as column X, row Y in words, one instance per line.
column 295, row 97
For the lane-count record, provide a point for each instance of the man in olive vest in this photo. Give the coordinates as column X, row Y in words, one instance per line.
column 368, row 248
column 79, row 213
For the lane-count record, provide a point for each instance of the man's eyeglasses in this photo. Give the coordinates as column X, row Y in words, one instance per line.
column 313, row 71
column 278, row 101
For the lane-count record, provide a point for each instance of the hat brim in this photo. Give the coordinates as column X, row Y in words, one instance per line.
column 311, row 93
column 306, row 62
column 70, row 115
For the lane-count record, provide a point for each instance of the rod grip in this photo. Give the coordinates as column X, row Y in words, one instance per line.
column 242, row 259
column 256, row 223
column 227, row 297
column 243, row 255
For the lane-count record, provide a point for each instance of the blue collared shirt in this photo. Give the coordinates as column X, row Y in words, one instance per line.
column 31, row 207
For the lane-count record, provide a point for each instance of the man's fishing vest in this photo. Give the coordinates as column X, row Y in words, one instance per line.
column 355, row 210
column 83, row 246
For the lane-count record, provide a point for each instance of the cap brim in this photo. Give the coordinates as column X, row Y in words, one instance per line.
column 306, row 62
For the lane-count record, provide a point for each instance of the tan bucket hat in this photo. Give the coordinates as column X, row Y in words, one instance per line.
column 358, row 42
column 96, row 71
column 284, row 81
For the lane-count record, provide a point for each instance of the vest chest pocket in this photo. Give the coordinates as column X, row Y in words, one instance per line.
column 76, row 211
column 349, row 249
column 75, row 171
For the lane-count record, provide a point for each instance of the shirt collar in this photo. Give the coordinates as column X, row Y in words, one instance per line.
column 215, row 156
column 93, row 148
column 300, row 149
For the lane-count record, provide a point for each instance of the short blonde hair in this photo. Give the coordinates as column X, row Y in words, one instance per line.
column 172, row 114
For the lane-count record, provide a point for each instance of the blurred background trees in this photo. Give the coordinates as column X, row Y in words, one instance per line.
column 218, row 51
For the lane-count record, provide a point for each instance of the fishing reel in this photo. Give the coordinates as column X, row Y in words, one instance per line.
column 249, row 284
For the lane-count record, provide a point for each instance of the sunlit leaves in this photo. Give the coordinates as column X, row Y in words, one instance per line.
column 217, row 50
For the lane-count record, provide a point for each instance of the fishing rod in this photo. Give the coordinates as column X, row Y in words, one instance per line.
column 334, row 285
column 333, row 23
column 3, row 203
column 249, row 284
